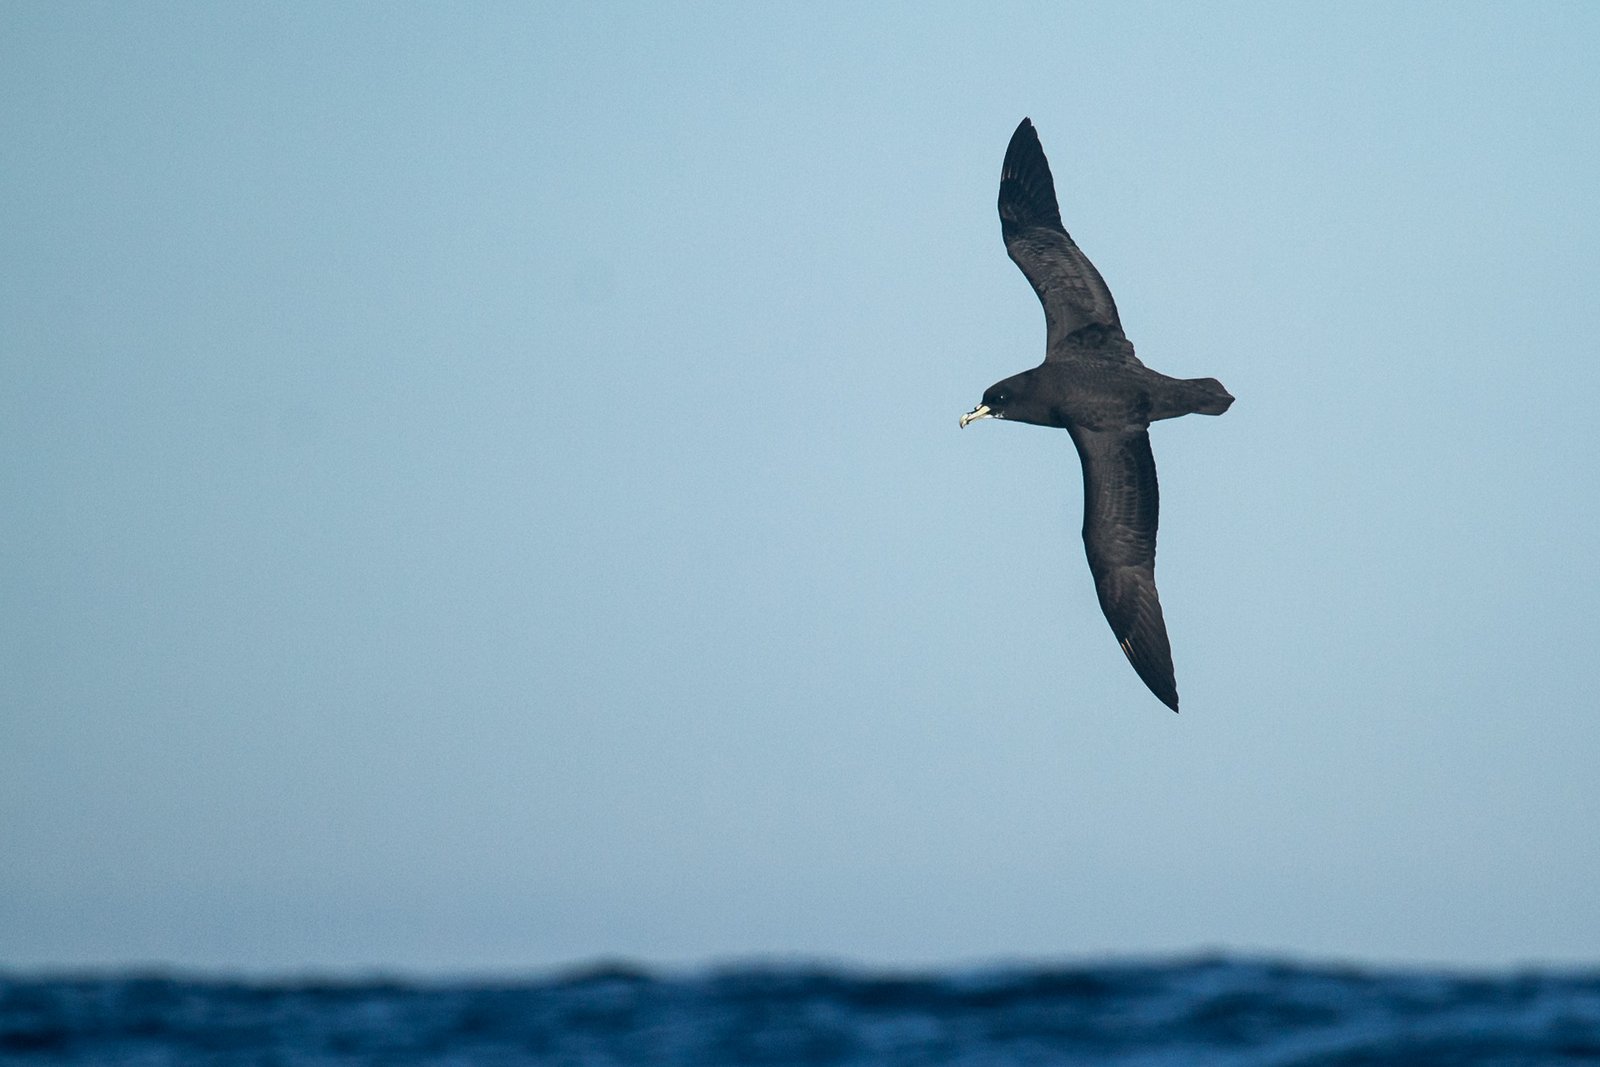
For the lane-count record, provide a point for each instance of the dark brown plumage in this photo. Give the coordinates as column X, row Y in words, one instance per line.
column 1092, row 385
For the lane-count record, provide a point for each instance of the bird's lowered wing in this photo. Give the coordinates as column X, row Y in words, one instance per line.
column 1072, row 292
column 1121, row 507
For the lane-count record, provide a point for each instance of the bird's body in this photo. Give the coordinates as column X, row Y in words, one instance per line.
column 1093, row 386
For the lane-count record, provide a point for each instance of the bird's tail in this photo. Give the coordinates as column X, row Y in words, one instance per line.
column 1207, row 396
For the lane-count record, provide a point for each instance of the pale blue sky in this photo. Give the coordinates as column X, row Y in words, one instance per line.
column 483, row 488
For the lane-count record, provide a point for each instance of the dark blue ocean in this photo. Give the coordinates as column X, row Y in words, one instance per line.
column 1201, row 1012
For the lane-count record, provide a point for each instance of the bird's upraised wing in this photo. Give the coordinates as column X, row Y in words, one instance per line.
column 1078, row 310
column 1121, row 508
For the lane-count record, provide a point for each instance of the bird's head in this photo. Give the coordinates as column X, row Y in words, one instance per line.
column 1018, row 399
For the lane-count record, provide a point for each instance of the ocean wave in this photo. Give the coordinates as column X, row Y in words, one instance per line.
column 1200, row 1012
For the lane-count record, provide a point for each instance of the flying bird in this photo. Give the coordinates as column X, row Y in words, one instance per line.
column 1091, row 385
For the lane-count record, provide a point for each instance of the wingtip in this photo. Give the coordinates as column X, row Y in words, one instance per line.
column 1027, row 188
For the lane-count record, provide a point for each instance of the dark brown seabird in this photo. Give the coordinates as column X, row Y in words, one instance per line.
column 1091, row 385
